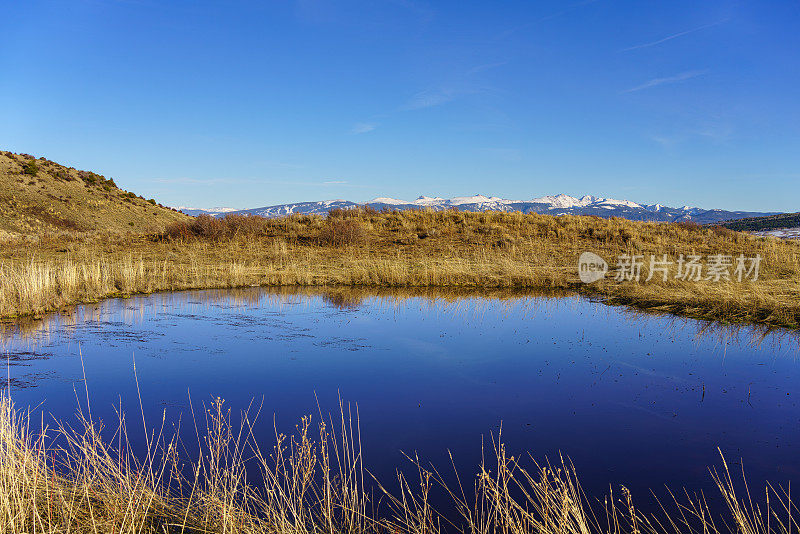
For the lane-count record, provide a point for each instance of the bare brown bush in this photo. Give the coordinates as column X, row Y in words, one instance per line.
column 342, row 232
column 213, row 228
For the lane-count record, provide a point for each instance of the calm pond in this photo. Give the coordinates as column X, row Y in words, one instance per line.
column 631, row 399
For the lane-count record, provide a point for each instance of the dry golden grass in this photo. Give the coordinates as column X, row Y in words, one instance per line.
column 400, row 249
column 63, row 480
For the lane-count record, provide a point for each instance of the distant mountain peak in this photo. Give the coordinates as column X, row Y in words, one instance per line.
column 566, row 201
column 215, row 209
column 207, row 211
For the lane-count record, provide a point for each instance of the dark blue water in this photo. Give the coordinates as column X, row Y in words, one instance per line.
column 637, row 400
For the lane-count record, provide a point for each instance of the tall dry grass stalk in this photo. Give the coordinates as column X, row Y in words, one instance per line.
column 401, row 249
column 89, row 479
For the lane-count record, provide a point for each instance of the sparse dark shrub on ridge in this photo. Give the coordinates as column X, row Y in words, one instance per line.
column 31, row 168
column 91, row 178
column 61, row 175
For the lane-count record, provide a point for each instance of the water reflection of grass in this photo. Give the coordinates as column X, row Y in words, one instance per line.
column 401, row 249
column 90, row 479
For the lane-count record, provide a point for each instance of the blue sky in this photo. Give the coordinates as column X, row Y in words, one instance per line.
column 247, row 104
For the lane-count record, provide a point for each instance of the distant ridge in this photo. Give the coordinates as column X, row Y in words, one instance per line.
column 553, row 205
column 194, row 212
column 770, row 222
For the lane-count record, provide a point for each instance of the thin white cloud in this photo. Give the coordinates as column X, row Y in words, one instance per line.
column 655, row 82
column 429, row 99
column 363, row 127
column 555, row 14
column 323, row 183
column 671, row 37
column 666, row 141
column 713, row 131
column 486, row 66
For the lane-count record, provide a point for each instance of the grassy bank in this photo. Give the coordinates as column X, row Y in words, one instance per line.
column 88, row 479
column 401, row 249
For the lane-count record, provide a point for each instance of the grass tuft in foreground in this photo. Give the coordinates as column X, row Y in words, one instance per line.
column 72, row 480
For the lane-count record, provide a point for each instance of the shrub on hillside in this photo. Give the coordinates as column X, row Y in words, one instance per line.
column 207, row 227
column 689, row 225
column 354, row 212
column 341, row 232
column 721, row 231
column 245, row 224
column 31, row 168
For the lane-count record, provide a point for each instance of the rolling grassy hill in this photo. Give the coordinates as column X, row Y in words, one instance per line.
column 40, row 196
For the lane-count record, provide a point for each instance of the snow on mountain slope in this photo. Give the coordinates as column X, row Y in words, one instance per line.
column 194, row 212
column 566, row 201
column 612, row 202
column 479, row 199
column 429, row 201
column 387, row 200
column 320, row 207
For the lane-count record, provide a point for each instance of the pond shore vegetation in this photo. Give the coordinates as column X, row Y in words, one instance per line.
column 435, row 249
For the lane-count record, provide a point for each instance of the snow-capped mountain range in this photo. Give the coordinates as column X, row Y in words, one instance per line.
column 194, row 212
column 553, row 205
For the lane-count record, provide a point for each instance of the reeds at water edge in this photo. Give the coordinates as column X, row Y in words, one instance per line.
column 412, row 249
column 87, row 478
